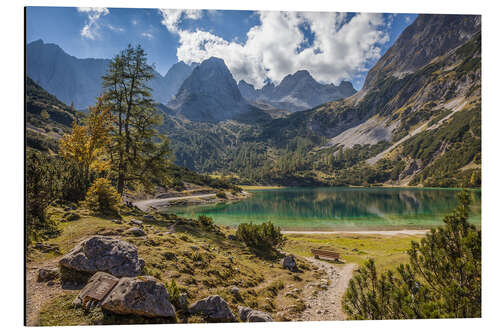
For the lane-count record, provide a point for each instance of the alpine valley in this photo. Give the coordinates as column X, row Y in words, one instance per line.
column 416, row 120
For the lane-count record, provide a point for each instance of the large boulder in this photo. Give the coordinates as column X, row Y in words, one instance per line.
column 289, row 263
column 98, row 287
column 214, row 308
column 143, row 296
column 253, row 316
column 101, row 253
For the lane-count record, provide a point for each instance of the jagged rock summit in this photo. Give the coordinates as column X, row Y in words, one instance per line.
column 296, row 92
column 210, row 94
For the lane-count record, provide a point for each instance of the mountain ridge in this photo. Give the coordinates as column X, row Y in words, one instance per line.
column 296, row 92
column 78, row 80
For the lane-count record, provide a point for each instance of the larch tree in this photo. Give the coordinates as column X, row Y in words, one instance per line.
column 138, row 153
column 86, row 143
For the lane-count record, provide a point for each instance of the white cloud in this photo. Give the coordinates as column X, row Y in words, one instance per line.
column 91, row 28
column 340, row 49
column 172, row 17
column 407, row 19
column 115, row 28
column 147, row 35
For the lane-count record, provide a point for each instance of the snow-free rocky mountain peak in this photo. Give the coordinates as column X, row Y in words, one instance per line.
column 78, row 81
column 210, row 94
column 296, row 92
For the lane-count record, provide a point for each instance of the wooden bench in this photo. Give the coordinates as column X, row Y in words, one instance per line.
column 318, row 253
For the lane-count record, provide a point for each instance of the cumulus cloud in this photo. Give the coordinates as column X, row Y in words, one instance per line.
column 147, row 35
column 91, row 28
column 172, row 17
column 340, row 47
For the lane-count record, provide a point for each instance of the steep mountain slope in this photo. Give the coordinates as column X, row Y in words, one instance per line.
column 296, row 92
column 416, row 120
column 78, row 81
column 210, row 94
column 411, row 99
column 174, row 79
column 47, row 118
column 428, row 37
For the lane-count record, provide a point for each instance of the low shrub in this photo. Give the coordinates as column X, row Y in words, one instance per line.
column 263, row 236
column 221, row 195
column 206, row 221
column 173, row 292
column 102, row 197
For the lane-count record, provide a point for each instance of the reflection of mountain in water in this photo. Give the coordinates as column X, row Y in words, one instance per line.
column 341, row 204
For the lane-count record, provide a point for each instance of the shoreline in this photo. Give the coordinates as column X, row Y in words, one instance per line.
column 408, row 232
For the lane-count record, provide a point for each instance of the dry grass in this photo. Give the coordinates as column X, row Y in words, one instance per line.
column 198, row 257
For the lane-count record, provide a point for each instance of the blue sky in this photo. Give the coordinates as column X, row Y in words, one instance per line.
column 255, row 45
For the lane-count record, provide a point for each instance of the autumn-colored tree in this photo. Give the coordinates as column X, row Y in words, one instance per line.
column 86, row 143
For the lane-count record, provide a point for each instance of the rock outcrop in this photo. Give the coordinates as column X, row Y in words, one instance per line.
column 214, row 308
column 101, row 253
column 143, row 296
column 253, row 316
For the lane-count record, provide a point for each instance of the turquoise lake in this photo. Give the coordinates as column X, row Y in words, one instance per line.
column 333, row 208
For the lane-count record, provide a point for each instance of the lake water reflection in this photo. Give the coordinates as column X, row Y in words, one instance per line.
column 339, row 208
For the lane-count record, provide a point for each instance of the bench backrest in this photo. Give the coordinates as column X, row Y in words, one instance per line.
column 325, row 253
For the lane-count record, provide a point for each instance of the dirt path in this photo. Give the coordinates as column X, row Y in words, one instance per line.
column 37, row 293
column 327, row 303
column 145, row 204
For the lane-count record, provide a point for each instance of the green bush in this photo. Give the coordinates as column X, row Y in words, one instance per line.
column 174, row 292
column 263, row 236
column 102, row 197
column 206, row 221
column 442, row 280
column 221, row 195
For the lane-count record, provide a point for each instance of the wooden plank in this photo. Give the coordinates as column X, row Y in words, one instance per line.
column 325, row 253
column 104, row 287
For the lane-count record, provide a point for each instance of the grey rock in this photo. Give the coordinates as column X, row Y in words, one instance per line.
column 106, row 254
column 47, row 274
column 136, row 223
column 136, row 232
column 143, row 296
column 149, row 218
column 289, row 263
column 117, row 221
column 182, row 301
column 253, row 316
column 214, row 308
column 235, row 291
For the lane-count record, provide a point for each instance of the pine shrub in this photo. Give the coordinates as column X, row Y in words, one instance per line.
column 263, row 236
column 442, row 279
